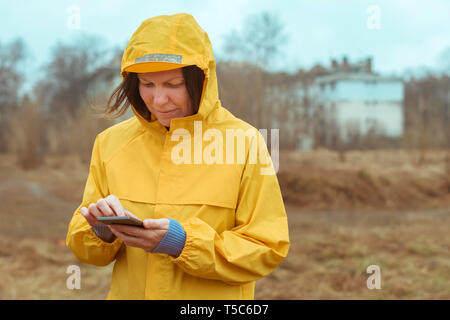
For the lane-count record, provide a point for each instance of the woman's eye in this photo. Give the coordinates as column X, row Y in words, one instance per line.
column 173, row 85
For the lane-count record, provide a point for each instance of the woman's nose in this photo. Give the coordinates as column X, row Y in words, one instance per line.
column 160, row 97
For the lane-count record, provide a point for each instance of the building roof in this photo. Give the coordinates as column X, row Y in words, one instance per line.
column 357, row 71
column 354, row 77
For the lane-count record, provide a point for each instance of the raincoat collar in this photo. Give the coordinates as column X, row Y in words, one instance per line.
column 153, row 47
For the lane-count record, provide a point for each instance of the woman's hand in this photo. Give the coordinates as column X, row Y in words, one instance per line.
column 146, row 238
column 105, row 207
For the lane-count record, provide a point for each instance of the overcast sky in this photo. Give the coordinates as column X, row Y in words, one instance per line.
column 412, row 34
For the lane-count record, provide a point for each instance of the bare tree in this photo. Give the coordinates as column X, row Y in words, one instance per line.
column 427, row 117
column 73, row 68
column 247, row 55
column 445, row 105
column 25, row 135
column 76, row 74
column 260, row 40
column 11, row 56
column 242, row 90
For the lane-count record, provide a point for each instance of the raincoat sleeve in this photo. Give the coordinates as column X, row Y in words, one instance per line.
column 255, row 246
column 81, row 238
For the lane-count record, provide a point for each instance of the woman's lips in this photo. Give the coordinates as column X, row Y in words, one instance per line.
column 168, row 113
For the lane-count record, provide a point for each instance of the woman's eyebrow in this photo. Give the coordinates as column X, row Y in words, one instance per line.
column 164, row 81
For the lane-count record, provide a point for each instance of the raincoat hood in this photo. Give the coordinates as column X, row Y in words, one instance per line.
column 169, row 42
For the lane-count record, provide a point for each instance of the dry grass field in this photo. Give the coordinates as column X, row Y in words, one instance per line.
column 376, row 208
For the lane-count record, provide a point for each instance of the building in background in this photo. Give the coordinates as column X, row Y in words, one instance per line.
column 355, row 101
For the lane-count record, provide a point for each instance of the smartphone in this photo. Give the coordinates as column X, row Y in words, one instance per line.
column 127, row 220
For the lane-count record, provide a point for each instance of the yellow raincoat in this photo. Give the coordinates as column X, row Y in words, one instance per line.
column 233, row 214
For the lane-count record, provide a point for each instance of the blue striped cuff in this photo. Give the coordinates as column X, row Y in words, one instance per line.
column 174, row 240
column 104, row 233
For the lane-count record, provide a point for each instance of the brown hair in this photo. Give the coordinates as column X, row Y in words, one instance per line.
column 127, row 93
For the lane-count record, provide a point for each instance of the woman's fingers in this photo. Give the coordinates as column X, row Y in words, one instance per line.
column 93, row 211
column 128, row 213
column 130, row 237
column 129, row 230
column 104, row 208
column 157, row 224
column 135, row 237
column 115, row 204
column 85, row 213
column 92, row 220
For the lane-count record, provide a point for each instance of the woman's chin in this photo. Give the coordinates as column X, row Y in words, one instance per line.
column 165, row 122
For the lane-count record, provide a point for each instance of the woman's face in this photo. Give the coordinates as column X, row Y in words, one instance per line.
column 165, row 95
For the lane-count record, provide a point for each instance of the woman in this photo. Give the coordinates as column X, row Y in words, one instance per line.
column 211, row 228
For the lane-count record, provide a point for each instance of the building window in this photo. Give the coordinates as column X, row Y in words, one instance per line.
column 333, row 85
column 371, row 123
